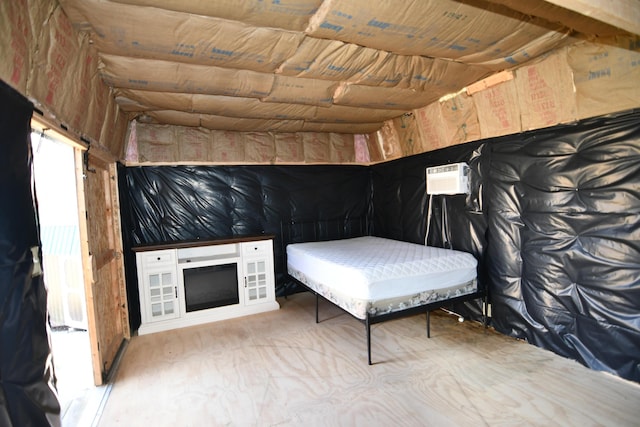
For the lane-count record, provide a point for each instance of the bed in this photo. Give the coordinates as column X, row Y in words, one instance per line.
column 376, row 279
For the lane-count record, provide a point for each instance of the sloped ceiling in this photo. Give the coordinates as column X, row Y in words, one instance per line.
column 340, row 66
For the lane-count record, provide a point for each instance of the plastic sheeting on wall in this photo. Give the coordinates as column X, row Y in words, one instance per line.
column 168, row 204
column 27, row 395
column 554, row 218
column 564, row 231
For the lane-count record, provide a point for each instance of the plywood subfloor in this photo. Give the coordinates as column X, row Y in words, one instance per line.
column 280, row 368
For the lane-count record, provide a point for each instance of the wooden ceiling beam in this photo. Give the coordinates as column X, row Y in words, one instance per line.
column 624, row 14
column 602, row 18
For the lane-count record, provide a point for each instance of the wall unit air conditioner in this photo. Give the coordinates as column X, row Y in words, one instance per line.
column 448, row 179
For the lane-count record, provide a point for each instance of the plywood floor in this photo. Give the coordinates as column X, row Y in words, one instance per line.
column 280, row 368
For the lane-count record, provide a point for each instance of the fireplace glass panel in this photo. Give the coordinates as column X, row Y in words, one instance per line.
column 211, row 286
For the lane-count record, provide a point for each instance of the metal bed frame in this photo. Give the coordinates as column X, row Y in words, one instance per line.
column 354, row 228
column 427, row 308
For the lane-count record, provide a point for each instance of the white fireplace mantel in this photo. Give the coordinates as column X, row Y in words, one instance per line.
column 161, row 280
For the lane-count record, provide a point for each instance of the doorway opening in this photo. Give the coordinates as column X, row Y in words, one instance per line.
column 54, row 172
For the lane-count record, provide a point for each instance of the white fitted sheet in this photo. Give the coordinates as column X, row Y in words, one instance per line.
column 377, row 275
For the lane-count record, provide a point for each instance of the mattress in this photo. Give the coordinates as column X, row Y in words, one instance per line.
column 375, row 275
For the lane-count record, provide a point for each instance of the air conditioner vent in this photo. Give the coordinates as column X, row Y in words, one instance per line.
column 448, row 179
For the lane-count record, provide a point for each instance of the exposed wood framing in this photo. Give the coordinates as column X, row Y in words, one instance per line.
column 88, row 271
column 623, row 14
column 118, row 250
column 107, row 312
column 580, row 15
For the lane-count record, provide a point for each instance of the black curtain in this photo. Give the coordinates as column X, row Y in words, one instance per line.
column 27, row 396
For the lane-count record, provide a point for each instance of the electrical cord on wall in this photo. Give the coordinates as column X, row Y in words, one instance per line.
column 446, row 233
column 444, row 229
column 443, row 224
column 446, row 239
column 426, row 234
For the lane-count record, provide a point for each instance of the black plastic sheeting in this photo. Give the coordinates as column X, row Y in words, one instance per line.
column 564, row 227
column 27, row 396
column 552, row 217
column 174, row 203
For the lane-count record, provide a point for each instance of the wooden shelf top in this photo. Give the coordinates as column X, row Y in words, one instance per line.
column 202, row 242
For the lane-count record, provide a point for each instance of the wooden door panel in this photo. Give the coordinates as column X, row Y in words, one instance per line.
column 105, row 287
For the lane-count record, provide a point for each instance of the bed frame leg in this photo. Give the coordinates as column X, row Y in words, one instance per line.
column 317, row 298
column 428, row 324
column 368, row 326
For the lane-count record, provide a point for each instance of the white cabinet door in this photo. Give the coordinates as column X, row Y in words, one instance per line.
column 161, row 295
column 256, row 281
column 258, row 272
column 158, row 285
